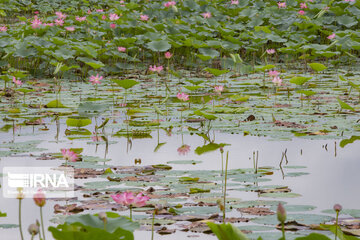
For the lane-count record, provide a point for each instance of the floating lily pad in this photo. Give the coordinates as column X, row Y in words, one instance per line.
column 300, row 218
column 255, row 203
column 55, row 104
column 296, row 208
column 352, row 212
column 7, row 226
column 296, row 174
column 193, row 162
column 281, row 195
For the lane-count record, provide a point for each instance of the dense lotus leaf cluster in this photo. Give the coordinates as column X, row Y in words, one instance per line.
column 119, row 35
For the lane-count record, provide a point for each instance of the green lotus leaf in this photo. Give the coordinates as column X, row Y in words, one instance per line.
column 159, row 46
column 78, row 121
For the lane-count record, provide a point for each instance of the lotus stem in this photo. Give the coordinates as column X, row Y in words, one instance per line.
column 152, row 226
column 20, row 226
column 181, row 115
column 222, row 171
column 226, row 168
column 131, row 212
column 283, row 230
column 336, row 223
column 42, row 222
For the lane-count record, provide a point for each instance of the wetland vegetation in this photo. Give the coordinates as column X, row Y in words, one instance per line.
column 193, row 119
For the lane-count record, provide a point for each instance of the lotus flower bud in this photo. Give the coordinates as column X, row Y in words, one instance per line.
column 103, row 216
column 281, row 213
column 337, row 207
column 33, row 229
column 221, row 150
column 39, row 198
column 20, row 194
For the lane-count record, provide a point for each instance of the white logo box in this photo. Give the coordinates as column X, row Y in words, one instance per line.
column 54, row 182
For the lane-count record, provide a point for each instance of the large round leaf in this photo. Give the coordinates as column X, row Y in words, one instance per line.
column 126, row 83
column 209, row 52
column 159, row 46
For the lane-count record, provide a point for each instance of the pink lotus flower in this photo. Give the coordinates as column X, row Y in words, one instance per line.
column 36, row 23
column 39, row 198
column 128, row 199
column 168, row 55
column 277, row 81
column 140, row 200
column 59, row 22
column 17, row 82
column 281, row 4
column 183, row 150
column 144, row 17
column 61, row 15
column 113, row 17
column 99, row 10
column 69, row 155
column 36, row 12
column 332, row 36
column 70, row 29
column 303, row 5
column 234, row 2
column 156, row 69
column 121, row 49
column 80, row 19
column 169, row 4
column 103, row 17
column 273, row 73
column 206, row 15
column 182, row 96
column 270, row 51
column 48, row 24
column 89, row 11
column 301, row 12
column 95, row 79
column 3, row 28
column 219, row 89
column 349, row 0
column 113, row 25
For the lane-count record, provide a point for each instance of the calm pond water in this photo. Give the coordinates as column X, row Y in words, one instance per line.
column 148, row 126
column 327, row 178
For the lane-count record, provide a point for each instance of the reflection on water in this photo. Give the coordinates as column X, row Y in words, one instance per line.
column 332, row 171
